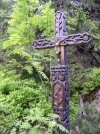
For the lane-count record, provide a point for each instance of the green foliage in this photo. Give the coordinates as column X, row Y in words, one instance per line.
column 86, row 82
column 93, row 80
column 26, row 90
column 34, row 123
column 74, row 106
column 90, row 123
column 26, row 109
column 22, row 96
column 5, row 9
column 8, row 85
column 20, row 30
column 6, row 119
column 82, row 83
column 77, row 21
column 17, row 98
column 80, row 21
column 24, row 104
column 24, row 24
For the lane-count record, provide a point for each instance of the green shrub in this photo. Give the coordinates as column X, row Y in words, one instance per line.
column 93, row 80
column 26, row 110
column 83, row 82
column 25, row 94
column 6, row 118
column 89, row 124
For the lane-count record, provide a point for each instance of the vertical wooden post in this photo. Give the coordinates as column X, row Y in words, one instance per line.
column 59, row 76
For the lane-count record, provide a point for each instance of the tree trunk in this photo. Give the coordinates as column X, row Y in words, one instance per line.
column 98, row 100
column 82, row 112
column 77, row 130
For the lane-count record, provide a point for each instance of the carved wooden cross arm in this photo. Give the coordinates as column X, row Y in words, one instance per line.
column 70, row 40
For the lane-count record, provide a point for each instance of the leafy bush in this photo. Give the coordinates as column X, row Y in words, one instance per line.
column 35, row 122
column 26, row 109
column 22, row 95
column 83, row 82
column 27, row 19
column 89, row 124
column 6, row 119
column 93, row 80
column 18, row 99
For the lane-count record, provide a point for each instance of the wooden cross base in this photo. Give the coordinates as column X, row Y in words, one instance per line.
column 60, row 95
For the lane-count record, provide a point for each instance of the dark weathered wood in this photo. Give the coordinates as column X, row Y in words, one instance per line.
column 71, row 40
column 59, row 72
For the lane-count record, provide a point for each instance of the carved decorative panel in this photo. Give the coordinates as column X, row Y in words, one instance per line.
column 74, row 39
column 43, row 43
column 60, row 24
column 60, row 94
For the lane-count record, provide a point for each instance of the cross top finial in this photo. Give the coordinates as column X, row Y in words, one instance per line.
column 60, row 24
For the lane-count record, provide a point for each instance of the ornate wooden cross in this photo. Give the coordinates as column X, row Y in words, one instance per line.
column 59, row 72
